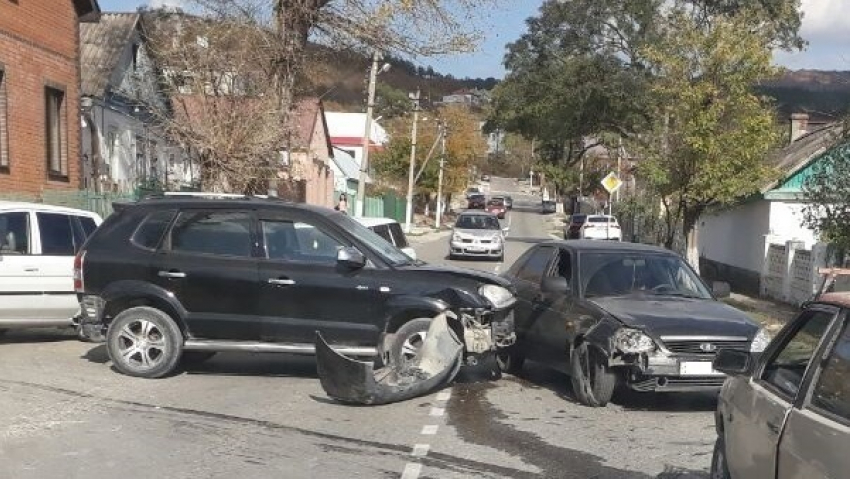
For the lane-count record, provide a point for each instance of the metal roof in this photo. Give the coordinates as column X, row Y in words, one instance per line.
column 101, row 45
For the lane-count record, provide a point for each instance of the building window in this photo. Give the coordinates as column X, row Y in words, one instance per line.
column 4, row 127
column 57, row 155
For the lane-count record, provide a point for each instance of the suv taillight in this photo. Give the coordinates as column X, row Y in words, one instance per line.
column 79, row 284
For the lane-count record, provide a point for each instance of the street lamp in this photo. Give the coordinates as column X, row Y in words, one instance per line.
column 370, row 107
column 415, row 97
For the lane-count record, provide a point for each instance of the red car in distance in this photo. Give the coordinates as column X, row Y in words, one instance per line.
column 497, row 207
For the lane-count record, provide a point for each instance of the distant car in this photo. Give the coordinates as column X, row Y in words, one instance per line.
column 391, row 231
column 509, row 203
column 477, row 234
column 496, row 205
column 547, row 207
column 476, row 201
column 472, row 191
column 485, row 177
column 599, row 227
column 786, row 412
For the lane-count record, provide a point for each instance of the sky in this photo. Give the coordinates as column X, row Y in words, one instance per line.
column 826, row 26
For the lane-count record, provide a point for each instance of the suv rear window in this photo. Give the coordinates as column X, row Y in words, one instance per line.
column 150, row 232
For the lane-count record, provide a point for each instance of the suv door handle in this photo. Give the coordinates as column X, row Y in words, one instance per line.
column 172, row 274
column 281, row 281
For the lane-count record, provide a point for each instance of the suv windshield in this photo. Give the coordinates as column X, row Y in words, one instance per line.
column 373, row 241
column 477, row 222
column 622, row 273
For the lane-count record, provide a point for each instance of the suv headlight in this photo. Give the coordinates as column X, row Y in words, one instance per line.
column 633, row 341
column 499, row 296
column 760, row 342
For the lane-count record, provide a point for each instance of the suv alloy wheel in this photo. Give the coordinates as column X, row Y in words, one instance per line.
column 144, row 342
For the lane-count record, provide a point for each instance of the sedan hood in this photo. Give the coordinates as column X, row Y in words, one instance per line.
column 475, row 275
column 666, row 316
column 479, row 233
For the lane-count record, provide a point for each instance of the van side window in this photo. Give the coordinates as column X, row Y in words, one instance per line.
column 57, row 234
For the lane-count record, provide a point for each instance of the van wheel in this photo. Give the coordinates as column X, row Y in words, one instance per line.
column 144, row 342
column 593, row 382
column 719, row 467
column 408, row 342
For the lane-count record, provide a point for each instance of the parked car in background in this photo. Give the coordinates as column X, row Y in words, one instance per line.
column 599, row 227
column 390, row 230
column 477, row 234
column 496, row 205
column 485, row 177
column 621, row 313
column 168, row 277
column 37, row 247
column 509, row 202
column 547, row 207
column 472, row 191
column 786, row 413
column 476, row 201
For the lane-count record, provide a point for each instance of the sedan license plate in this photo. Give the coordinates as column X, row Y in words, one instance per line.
column 697, row 368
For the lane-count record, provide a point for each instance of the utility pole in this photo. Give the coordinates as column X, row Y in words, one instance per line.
column 619, row 164
column 443, row 129
column 364, row 163
column 411, row 173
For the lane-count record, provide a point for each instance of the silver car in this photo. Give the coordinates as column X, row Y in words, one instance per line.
column 477, row 234
column 786, row 413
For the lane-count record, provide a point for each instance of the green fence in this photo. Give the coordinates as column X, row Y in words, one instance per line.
column 388, row 205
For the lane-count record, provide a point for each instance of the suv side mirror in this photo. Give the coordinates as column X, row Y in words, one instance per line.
column 555, row 285
column 721, row 289
column 351, row 257
column 732, row 362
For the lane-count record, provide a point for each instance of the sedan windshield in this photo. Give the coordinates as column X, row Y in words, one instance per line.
column 477, row 222
column 620, row 273
column 373, row 241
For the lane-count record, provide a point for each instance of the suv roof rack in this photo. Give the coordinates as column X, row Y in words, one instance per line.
column 202, row 194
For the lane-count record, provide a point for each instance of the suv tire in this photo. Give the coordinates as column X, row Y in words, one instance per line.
column 144, row 342
column 405, row 346
column 719, row 468
column 593, row 382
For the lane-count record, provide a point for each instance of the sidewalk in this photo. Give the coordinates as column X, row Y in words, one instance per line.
column 772, row 314
column 425, row 234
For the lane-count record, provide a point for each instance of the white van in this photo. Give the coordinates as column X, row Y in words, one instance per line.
column 391, row 231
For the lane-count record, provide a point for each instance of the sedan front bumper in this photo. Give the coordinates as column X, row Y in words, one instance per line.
column 662, row 372
column 482, row 250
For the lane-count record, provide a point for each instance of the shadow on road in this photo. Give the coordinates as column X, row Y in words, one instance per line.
column 247, row 364
column 38, row 336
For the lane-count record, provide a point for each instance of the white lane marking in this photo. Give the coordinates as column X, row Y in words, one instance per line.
column 420, row 450
column 437, row 411
column 444, row 395
column 411, row 471
column 430, row 430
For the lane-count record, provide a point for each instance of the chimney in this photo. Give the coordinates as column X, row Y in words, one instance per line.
column 799, row 125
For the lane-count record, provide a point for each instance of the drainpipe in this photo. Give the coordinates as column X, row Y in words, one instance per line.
column 86, row 104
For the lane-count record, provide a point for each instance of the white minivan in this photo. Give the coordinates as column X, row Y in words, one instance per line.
column 391, row 231
column 38, row 243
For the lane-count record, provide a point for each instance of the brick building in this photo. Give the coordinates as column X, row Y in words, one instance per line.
column 39, row 93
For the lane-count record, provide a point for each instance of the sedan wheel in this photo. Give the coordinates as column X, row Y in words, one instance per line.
column 593, row 382
column 144, row 342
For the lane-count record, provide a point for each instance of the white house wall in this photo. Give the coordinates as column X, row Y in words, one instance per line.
column 786, row 220
column 736, row 237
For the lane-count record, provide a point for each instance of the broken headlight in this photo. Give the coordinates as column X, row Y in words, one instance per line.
column 760, row 342
column 633, row 341
column 500, row 297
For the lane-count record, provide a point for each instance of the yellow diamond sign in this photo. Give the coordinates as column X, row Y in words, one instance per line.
column 611, row 183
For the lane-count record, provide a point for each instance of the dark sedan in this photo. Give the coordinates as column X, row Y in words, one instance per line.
column 476, row 202
column 621, row 313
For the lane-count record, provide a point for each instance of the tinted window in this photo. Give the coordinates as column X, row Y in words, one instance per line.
column 88, row 225
column 477, row 222
column 14, row 233
column 57, row 234
column 398, row 235
column 578, row 219
column 534, row 269
column 299, row 241
column 601, row 219
column 150, row 232
column 786, row 369
column 384, row 232
column 832, row 393
column 219, row 233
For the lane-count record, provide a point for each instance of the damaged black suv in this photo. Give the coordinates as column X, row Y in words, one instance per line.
column 186, row 276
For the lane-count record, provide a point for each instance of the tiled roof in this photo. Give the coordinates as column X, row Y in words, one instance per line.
column 101, row 46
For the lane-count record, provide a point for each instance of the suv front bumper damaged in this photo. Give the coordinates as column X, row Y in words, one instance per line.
column 357, row 382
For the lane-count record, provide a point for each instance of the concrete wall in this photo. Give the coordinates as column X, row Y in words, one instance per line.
column 786, row 223
column 735, row 237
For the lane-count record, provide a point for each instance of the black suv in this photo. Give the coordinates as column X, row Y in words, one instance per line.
column 182, row 276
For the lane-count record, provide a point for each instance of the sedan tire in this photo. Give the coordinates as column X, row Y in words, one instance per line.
column 719, row 467
column 509, row 361
column 593, row 382
column 144, row 342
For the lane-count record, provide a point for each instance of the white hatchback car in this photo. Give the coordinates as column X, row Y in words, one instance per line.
column 37, row 247
column 391, row 231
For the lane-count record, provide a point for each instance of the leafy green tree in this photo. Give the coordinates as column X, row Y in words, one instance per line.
column 827, row 192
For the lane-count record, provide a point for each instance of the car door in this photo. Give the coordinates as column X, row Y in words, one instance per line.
column 816, row 437
column 549, row 332
column 208, row 262
column 758, row 408
column 527, row 278
column 19, row 282
column 60, row 236
column 303, row 289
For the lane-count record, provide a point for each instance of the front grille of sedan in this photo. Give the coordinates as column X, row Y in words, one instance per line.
column 466, row 241
column 705, row 346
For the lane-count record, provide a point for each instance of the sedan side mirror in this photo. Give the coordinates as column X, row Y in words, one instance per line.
column 732, row 362
column 351, row 258
column 721, row 289
column 555, row 285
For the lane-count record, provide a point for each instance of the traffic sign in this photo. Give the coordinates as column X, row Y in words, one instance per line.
column 611, row 183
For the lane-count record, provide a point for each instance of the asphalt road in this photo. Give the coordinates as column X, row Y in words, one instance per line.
column 65, row 414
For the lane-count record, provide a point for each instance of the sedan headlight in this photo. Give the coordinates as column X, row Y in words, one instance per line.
column 456, row 237
column 633, row 341
column 760, row 342
column 500, row 297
